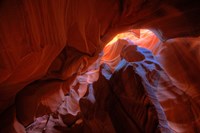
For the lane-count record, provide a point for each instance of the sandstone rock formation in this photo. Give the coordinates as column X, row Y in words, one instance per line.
column 59, row 73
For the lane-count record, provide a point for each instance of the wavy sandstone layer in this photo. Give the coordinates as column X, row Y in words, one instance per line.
column 57, row 74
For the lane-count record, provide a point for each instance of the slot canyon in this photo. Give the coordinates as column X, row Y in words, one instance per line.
column 99, row 66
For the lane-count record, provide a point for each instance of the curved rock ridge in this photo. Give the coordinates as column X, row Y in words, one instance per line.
column 86, row 102
column 180, row 59
column 178, row 86
column 121, row 95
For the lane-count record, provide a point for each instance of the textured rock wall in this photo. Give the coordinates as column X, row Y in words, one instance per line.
column 45, row 45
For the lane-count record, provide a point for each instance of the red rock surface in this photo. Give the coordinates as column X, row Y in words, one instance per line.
column 51, row 51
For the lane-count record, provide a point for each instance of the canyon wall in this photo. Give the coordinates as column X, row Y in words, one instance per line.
column 49, row 49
